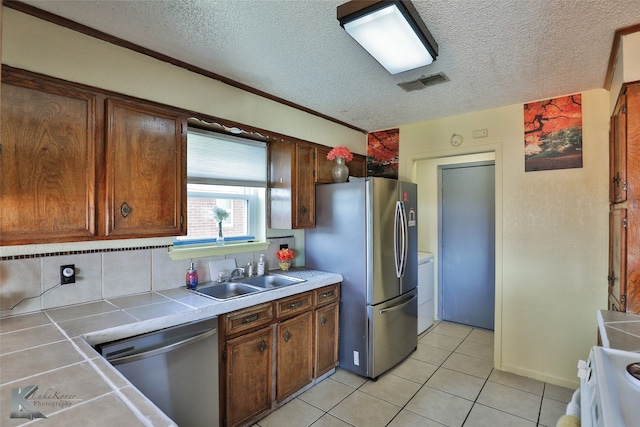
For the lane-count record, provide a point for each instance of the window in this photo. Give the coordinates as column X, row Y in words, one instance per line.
column 231, row 173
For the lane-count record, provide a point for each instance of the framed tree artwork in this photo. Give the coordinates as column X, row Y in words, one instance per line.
column 553, row 134
column 382, row 153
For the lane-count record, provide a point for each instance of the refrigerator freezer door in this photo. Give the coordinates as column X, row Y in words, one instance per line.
column 392, row 333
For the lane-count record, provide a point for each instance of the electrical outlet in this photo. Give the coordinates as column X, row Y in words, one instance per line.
column 284, row 246
column 67, row 274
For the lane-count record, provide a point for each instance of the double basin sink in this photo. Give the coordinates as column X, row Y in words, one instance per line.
column 244, row 286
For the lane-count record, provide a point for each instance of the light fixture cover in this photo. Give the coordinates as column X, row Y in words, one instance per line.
column 391, row 31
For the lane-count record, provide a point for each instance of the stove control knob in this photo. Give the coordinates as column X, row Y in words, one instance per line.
column 583, row 370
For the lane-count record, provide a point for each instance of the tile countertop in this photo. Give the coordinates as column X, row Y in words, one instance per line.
column 52, row 349
column 619, row 330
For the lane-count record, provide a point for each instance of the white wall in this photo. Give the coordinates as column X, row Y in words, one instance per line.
column 551, row 233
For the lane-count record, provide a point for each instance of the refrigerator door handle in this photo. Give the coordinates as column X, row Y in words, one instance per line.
column 405, row 240
column 396, row 236
column 396, row 307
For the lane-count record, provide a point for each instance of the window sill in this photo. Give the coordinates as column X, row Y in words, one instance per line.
column 211, row 249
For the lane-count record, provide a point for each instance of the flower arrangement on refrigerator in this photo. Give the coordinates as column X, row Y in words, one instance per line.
column 340, row 152
column 285, row 254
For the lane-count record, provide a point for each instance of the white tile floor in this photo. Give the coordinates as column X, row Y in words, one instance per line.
column 448, row 381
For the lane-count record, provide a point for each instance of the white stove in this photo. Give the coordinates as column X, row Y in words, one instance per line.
column 610, row 388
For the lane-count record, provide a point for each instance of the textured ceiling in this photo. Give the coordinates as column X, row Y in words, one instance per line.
column 495, row 52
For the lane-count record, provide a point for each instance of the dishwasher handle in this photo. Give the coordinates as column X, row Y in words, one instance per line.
column 162, row 350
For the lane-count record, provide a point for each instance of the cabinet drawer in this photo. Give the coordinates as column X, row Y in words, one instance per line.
column 249, row 318
column 327, row 295
column 294, row 304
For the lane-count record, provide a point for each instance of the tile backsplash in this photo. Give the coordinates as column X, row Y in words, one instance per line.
column 102, row 275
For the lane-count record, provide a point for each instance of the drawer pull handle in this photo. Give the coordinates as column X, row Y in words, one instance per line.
column 287, row 336
column 327, row 294
column 250, row 319
column 263, row 346
column 295, row 304
column 323, row 320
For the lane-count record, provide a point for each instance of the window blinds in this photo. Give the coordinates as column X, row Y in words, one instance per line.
column 225, row 160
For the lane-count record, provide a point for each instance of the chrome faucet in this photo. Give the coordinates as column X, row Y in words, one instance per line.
column 236, row 273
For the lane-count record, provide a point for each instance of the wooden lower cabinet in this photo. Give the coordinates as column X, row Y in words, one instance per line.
column 326, row 339
column 273, row 350
column 249, row 376
column 295, row 355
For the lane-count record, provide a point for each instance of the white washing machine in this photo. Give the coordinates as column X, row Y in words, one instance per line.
column 426, row 309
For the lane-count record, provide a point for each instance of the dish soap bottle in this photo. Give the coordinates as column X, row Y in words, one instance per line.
column 261, row 265
column 192, row 277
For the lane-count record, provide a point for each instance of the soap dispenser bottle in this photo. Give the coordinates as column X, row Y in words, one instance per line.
column 261, row 265
column 192, row 277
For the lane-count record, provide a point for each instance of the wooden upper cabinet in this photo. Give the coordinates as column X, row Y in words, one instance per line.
column 357, row 166
column 624, row 230
column 145, row 171
column 618, row 152
column 291, row 185
column 305, row 195
column 48, row 162
column 323, row 165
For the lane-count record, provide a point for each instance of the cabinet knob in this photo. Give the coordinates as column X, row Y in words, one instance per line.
column 303, row 210
column 287, row 336
column 263, row 346
column 125, row 209
column 323, row 320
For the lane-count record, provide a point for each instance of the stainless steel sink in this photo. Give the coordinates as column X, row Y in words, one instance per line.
column 249, row 285
column 271, row 281
column 226, row 290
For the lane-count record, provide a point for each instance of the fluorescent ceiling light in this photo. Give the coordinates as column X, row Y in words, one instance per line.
column 391, row 31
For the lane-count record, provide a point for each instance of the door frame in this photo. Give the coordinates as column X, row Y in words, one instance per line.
column 440, row 285
column 423, row 165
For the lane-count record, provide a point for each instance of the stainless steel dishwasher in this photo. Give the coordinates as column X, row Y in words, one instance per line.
column 176, row 368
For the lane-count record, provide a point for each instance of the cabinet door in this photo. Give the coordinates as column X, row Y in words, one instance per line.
column 281, row 155
column 304, row 209
column 617, row 258
column 358, row 166
column 291, row 185
column 295, row 357
column 323, row 165
column 326, row 339
column 249, row 375
column 618, row 152
column 48, row 162
column 145, row 171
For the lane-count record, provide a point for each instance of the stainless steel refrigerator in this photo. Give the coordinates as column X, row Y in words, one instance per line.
column 366, row 230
